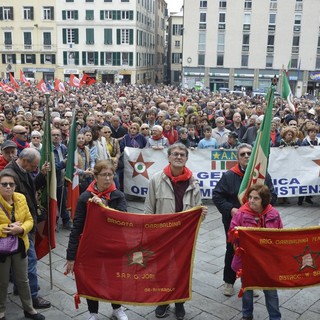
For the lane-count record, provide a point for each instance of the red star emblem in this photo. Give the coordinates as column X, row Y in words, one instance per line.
column 140, row 167
column 307, row 258
column 257, row 174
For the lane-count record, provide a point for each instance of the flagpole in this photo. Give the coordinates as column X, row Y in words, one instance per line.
column 47, row 94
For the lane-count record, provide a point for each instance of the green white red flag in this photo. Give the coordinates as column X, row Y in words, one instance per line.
column 150, row 255
column 45, row 235
column 286, row 92
column 258, row 164
column 72, row 176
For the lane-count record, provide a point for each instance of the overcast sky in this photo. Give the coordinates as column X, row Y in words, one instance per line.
column 174, row 5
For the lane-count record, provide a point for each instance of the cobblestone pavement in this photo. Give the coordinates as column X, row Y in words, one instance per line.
column 208, row 301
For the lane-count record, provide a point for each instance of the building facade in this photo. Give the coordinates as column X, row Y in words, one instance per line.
column 110, row 40
column 244, row 43
column 175, row 45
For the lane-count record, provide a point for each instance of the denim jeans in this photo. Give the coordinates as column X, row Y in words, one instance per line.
column 272, row 304
column 32, row 268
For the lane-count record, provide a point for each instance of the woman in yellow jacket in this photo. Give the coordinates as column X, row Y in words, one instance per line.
column 16, row 220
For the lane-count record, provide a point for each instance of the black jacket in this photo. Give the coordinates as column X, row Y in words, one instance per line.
column 117, row 201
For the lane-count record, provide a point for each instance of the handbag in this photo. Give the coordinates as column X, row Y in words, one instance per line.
column 10, row 243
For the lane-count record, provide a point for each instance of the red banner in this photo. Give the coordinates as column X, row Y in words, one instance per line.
column 141, row 259
column 279, row 258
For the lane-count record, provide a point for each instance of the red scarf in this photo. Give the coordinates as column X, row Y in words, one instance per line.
column 157, row 138
column 260, row 216
column 186, row 174
column 101, row 194
column 20, row 145
column 237, row 170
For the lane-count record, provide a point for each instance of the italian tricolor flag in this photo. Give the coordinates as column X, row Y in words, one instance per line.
column 71, row 170
column 286, row 92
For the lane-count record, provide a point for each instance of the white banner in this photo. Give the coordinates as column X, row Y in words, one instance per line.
column 294, row 172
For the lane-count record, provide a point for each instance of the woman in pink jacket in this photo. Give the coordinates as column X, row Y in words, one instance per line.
column 257, row 212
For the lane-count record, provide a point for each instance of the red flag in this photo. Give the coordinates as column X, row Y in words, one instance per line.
column 72, row 176
column 13, row 81
column 83, row 80
column 23, row 79
column 42, row 86
column 279, row 258
column 74, row 81
column 148, row 254
column 6, row 88
column 45, row 237
column 91, row 81
column 59, row 85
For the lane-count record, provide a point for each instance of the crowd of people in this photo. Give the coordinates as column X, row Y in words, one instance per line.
column 112, row 117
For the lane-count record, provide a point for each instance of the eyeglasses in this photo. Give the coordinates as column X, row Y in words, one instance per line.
column 145, row 128
column 64, row 124
column 56, row 135
column 178, row 154
column 106, row 131
column 220, row 121
column 6, row 184
column 243, row 154
column 35, row 137
column 106, row 175
column 25, row 132
column 36, row 124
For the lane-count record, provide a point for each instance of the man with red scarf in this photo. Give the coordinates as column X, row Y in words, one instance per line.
column 174, row 189
column 20, row 137
column 225, row 197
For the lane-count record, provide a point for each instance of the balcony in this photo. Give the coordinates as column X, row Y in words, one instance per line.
column 8, row 46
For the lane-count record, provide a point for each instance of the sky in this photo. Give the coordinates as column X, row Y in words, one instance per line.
column 174, row 5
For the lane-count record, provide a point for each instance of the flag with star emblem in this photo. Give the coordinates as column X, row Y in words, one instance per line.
column 278, row 258
column 141, row 259
column 257, row 167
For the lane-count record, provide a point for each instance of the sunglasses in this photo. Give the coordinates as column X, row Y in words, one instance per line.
column 24, row 132
column 36, row 124
column 35, row 138
column 106, row 131
column 64, row 124
column 145, row 128
column 243, row 154
column 10, row 184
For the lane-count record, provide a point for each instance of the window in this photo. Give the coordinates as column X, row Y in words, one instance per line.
column 8, row 58
column 70, row 15
column 270, row 40
column 6, row 13
column 107, row 36
column 89, row 36
column 222, row 4
column 294, row 63
column 106, row 14
column 273, row 5
column 221, row 36
column 203, row 20
column 70, row 36
column 89, row 15
column 89, row 0
column 28, row 13
column 8, row 40
column 125, row 36
column 297, row 19
column 177, row 44
column 176, row 58
column 203, row 4
column 220, row 59
column 272, row 18
column 244, row 60
column 47, row 59
column 269, row 61
column 201, row 59
column 125, row 58
column 28, row 58
column 109, row 58
column 295, row 44
column 247, row 21
column 222, row 20
column 245, row 42
column 177, row 29
column 69, row 0
column 71, row 57
column 90, row 58
column 248, row 4
column 318, row 62
column 27, row 40
column 48, row 13
column 125, row 15
column 47, row 40
column 124, row 0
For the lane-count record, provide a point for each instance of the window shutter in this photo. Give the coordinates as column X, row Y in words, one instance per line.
column 114, row 15
column 118, row 36
column 22, row 59
column 33, row 58
column 14, row 58
column 52, row 13
column 42, row 58
column 53, row 59
column 64, row 36
column 76, row 36
column 96, row 58
column 76, row 15
column 1, row 13
column 101, row 14
column 130, row 58
column 76, row 58
column 65, row 58
column 4, row 58
column 31, row 13
column 118, row 15
column 11, row 13
column 84, row 56
column 102, row 58
column 131, row 36
column 64, row 15
column 130, row 15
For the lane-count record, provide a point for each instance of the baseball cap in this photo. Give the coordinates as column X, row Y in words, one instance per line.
column 8, row 144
